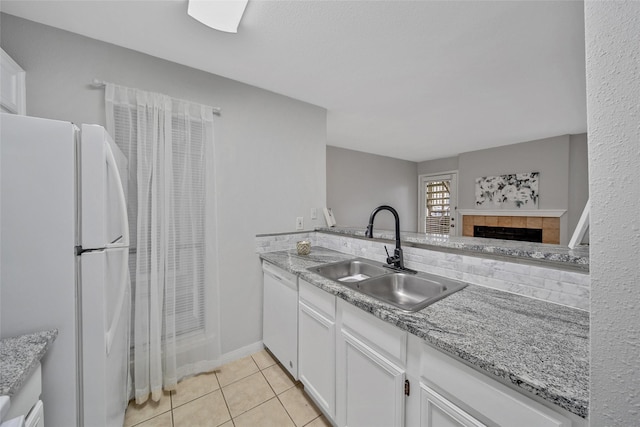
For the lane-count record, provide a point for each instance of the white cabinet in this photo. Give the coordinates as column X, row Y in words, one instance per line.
column 280, row 316
column 356, row 367
column 12, row 86
column 370, row 370
column 317, row 346
column 437, row 411
column 452, row 394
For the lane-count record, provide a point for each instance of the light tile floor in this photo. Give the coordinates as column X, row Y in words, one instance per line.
column 252, row 391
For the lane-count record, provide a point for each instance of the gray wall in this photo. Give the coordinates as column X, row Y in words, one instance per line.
column 561, row 161
column 612, row 31
column 431, row 167
column 548, row 156
column 270, row 149
column 359, row 182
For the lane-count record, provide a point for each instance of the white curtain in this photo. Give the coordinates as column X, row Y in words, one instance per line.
column 169, row 145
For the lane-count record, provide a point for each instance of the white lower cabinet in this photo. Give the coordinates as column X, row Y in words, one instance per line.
column 317, row 346
column 437, row 411
column 357, row 368
column 370, row 370
column 453, row 394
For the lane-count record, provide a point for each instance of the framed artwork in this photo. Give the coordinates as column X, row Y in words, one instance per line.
column 518, row 190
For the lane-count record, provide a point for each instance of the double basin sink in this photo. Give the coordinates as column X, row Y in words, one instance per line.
column 406, row 291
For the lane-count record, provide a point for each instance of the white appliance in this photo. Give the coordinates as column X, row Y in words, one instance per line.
column 280, row 316
column 64, row 263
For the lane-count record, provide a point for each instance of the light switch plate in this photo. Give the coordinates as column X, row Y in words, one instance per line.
column 314, row 213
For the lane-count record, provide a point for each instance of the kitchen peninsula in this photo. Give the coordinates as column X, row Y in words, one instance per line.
column 539, row 348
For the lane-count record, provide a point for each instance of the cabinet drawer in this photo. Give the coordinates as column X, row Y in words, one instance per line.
column 487, row 400
column 376, row 333
column 316, row 298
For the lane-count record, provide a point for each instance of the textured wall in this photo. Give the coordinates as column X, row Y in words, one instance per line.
column 359, row 182
column 613, row 106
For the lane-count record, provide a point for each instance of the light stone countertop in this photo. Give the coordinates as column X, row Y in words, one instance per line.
column 558, row 255
column 538, row 347
column 19, row 357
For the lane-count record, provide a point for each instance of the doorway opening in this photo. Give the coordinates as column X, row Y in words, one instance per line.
column 438, row 204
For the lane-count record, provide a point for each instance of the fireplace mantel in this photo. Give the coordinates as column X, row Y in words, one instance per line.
column 548, row 213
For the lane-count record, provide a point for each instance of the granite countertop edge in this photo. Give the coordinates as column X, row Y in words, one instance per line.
column 557, row 255
column 19, row 357
column 431, row 324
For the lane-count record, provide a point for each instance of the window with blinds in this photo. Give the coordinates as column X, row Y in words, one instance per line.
column 438, row 207
column 186, row 248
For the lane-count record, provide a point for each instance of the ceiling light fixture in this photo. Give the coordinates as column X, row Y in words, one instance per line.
column 222, row 15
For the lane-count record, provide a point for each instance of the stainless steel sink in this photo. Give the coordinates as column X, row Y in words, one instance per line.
column 407, row 291
column 353, row 270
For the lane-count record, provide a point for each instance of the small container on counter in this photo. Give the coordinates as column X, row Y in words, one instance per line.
column 303, row 247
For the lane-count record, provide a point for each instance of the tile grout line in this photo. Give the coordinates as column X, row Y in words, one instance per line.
column 224, row 398
column 171, row 406
column 319, row 416
column 285, row 409
column 277, row 396
column 215, row 373
column 274, row 363
column 250, row 409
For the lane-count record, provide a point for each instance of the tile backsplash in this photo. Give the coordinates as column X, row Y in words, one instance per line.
column 569, row 288
column 283, row 242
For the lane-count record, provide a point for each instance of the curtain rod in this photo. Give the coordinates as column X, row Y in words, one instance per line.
column 99, row 84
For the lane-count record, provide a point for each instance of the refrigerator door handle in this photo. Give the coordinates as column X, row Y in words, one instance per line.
column 123, row 285
column 122, row 208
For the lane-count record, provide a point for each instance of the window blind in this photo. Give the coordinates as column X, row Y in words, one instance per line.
column 186, row 257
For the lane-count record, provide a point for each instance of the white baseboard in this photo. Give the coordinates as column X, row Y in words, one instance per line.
column 211, row 365
column 240, row 353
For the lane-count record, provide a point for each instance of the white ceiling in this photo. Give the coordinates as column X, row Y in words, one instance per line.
column 415, row 80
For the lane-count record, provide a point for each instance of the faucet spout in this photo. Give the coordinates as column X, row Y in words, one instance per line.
column 369, row 232
column 397, row 260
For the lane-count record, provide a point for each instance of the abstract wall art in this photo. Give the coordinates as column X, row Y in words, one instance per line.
column 518, row 190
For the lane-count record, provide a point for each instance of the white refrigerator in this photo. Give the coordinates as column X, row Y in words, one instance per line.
column 64, row 263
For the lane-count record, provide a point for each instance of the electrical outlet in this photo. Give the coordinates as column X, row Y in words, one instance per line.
column 314, row 213
column 299, row 223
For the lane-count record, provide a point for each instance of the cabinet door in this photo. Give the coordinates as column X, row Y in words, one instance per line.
column 486, row 398
column 437, row 411
column 371, row 388
column 12, row 86
column 316, row 357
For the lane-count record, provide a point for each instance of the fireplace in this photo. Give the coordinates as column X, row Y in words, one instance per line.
column 508, row 233
column 500, row 226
